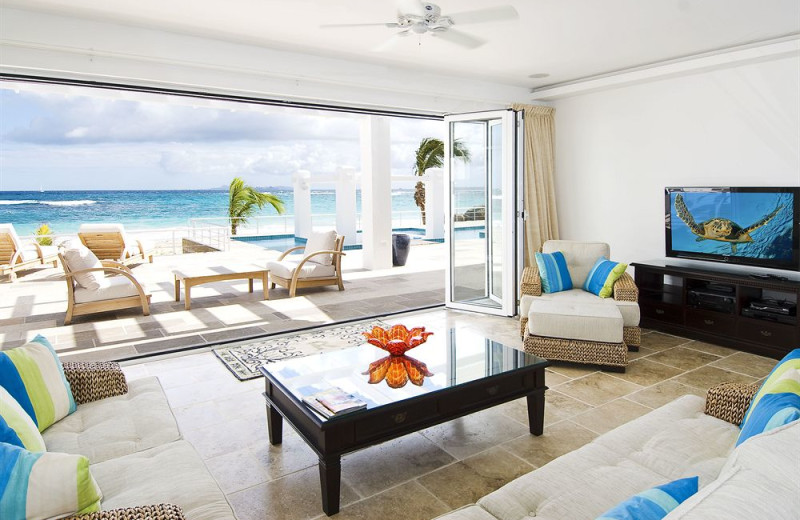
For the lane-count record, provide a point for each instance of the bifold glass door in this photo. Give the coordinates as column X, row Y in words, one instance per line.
column 482, row 224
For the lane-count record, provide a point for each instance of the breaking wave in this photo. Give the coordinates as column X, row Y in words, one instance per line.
column 48, row 202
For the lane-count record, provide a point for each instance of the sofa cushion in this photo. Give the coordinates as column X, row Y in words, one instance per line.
column 117, row 426
column 653, row 503
column 759, row 480
column 777, row 401
column 580, row 256
column 601, row 277
column 675, row 441
column 553, row 272
column 33, row 375
column 16, row 426
column 321, row 241
column 171, row 473
column 286, row 267
column 45, row 485
column 109, row 289
column 581, row 321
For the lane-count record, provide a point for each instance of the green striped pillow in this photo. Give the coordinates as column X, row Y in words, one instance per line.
column 45, row 485
column 34, row 377
column 16, row 426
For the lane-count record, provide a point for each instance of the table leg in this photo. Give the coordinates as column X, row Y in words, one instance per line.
column 177, row 289
column 187, row 290
column 330, row 474
column 250, row 283
column 265, row 285
column 274, row 425
column 536, row 412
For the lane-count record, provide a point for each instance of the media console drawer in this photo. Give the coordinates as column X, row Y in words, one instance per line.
column 710, row 321
column 661, row 311
column 768, row 332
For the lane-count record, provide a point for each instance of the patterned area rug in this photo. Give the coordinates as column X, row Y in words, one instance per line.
column 244, row 360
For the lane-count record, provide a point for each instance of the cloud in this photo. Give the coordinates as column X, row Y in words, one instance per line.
column 70, row 120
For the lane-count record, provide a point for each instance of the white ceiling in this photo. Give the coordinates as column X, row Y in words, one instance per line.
column 567, row 39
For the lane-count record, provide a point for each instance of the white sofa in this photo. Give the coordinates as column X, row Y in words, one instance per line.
column 136, row 453
column 576, row 325
column 759, row 479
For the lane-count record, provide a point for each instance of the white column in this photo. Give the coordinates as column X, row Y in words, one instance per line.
column 346, row 205
column 301, row 181
column 434, row 203
column 376, row 193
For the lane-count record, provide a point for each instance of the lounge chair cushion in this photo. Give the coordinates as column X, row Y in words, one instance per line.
column 78, row 258
column 629, row 310
column 286, row 268
column 321, row 241
column 9, row 229
column 117, row 426
column 172, row 473
column 109, row 289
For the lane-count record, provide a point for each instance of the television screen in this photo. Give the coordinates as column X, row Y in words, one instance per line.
column 754, row 226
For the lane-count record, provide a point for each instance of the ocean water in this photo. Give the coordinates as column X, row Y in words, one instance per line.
column 65, row 211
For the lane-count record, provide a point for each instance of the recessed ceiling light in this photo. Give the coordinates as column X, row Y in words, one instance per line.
column 539, row 75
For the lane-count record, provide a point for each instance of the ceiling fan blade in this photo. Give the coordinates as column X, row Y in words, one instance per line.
column 391, row 42
column 339, row 25
column 490, row 14
column 459, row 38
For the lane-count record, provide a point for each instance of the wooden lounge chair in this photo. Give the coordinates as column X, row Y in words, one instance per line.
column 321, row 264
column 110, row 242
column 16, row 255
column 90, row 291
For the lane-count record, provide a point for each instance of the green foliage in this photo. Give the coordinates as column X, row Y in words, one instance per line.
column 243, row 201
column 44, row 233
column 430, row 154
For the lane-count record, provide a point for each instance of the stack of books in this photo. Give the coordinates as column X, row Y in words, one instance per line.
column 334, row 401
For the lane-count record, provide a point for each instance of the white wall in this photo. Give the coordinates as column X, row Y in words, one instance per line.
column 616, row 150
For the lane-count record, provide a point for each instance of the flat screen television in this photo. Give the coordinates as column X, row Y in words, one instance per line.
column 749, row 226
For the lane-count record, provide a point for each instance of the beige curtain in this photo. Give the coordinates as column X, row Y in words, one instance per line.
column 540, row 196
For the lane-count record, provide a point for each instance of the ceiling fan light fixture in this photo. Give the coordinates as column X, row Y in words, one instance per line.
column 419, row 28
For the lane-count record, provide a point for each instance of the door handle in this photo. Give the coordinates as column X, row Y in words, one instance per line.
column 708, row 322
column 766, row 333
column 659, row 311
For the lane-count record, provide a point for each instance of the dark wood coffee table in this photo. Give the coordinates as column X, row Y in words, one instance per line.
column 470, row 373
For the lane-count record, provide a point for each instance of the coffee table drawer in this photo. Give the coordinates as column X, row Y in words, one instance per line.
column 470, row 397
column 381, row 423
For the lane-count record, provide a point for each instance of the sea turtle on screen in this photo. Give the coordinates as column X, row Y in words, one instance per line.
column 719, row 228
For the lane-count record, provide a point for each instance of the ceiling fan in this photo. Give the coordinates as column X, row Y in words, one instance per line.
column 425, row 17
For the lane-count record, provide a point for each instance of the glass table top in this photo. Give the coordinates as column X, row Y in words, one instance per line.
column 446, row 360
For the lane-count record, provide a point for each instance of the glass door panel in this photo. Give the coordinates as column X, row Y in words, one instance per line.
column 480, row 170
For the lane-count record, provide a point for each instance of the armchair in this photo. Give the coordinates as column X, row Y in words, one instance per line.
column 89, row 291
column 576, row 325
column 321, row 264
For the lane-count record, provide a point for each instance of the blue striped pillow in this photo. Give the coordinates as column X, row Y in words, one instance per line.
column 16, row 426
column 654, row 503
column 777, row 402
column 602, row 277
column 553, row 272
column 34, row 377
column 45, row 485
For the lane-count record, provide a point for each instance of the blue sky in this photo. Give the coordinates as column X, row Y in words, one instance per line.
column 94, row 139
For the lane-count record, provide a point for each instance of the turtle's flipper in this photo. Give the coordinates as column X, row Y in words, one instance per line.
column 683, row 213
column 699, row 239
column 761, row 222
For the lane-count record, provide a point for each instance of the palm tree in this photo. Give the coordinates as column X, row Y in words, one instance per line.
column 430, row 154
column 243, row 201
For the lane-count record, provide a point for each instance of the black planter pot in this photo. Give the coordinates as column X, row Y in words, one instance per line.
column 401, row 245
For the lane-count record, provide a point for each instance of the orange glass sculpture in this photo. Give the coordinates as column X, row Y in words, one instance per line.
column 397, row 371
column 398, row 339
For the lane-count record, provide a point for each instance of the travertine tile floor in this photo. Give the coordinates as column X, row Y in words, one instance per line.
column 224, row 311
column 428, row 473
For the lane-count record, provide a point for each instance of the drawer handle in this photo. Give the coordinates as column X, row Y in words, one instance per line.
column 708, row 322
column 766, row 333
column 400, row 418
column 492, row 390
column 659, row 311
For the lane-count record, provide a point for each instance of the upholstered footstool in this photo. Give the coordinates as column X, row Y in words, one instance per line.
column 579, row 332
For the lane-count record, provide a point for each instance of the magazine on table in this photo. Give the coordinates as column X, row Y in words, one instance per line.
column 334, row 401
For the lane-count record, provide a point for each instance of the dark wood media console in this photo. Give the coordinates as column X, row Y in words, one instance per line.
column 715, row 306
